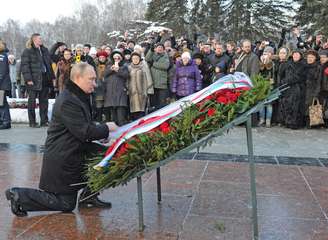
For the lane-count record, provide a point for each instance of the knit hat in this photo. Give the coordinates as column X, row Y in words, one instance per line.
column 186, row 55
column 323, row 52
column 127, row 52
column 103, row 54
column 93, row 50
column 269, row 49
column 135, row 54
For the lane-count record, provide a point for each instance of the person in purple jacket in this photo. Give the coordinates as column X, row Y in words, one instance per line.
column 187, row 79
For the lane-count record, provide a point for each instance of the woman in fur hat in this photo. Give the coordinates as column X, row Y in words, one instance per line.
column 115, row 80
column 312, row 81
column 293, row 99
column 140, row 85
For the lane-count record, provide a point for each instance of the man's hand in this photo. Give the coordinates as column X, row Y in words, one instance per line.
column 112, row 126
column 30, row 83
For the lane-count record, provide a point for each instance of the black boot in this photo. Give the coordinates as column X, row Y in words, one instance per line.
column 13, row 196
column 5, row 126
column 88, row 200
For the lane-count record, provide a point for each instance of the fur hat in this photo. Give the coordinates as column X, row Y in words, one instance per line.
column 116, row 51
column 103, row 54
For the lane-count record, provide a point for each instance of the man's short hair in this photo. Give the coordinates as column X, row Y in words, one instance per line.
column 219, row 44
column 79, row 69
column 244, row 41
column 87, row 45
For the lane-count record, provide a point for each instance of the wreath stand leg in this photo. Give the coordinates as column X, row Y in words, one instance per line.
column 140, row 204
column 252, row 177
column 159, row 187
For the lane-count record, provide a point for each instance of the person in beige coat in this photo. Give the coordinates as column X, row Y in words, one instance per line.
column 140, row 85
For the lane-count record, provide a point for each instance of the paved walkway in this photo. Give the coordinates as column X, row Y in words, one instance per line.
column 202, row 199
column 267, row 141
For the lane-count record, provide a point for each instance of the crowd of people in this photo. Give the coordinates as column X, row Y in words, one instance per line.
column 136, row 78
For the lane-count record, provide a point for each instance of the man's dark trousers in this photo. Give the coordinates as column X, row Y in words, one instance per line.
column 38, row 200
column 43, row 102
column 5, row 119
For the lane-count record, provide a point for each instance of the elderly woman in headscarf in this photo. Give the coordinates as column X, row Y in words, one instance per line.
column 140, row 85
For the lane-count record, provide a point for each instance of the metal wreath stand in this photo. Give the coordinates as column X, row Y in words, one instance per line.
column 243, row 118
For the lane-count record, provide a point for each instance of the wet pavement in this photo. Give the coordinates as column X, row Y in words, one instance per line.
column 204, row 197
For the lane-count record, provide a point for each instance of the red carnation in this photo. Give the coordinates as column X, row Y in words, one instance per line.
column 210, row 97
column 231, row 97
column 165, row 128
column 211, row 112
column 222, row 99
column 326, row 71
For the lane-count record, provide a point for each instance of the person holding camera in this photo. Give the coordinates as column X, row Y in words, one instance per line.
column 115, row 85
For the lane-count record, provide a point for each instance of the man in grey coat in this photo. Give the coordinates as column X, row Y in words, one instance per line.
column 248, row 62
column 159, row 61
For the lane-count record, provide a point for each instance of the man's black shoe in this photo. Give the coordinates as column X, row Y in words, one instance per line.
column 5, row 126
column 46, row 124
column 34, row 125
column 94, row 202
column 12, row 196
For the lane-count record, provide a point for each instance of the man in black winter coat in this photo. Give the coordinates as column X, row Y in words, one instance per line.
column 5, row 87
column 70, row 133
column 38, row 75
column 219, row 58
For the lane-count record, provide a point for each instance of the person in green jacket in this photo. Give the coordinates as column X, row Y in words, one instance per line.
column 159, row 63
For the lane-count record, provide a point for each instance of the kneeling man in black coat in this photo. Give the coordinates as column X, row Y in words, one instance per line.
column 69, row 135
